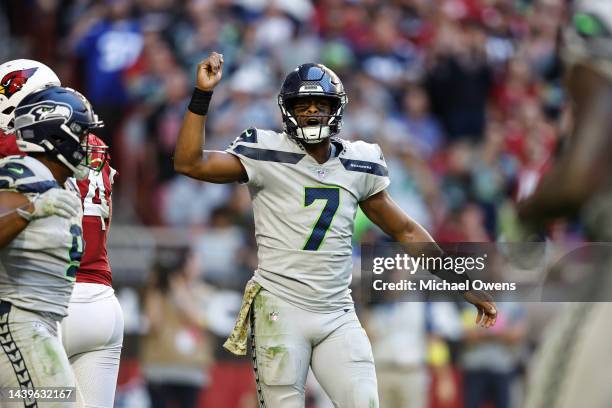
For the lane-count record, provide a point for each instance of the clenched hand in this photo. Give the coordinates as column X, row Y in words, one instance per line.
column 210, row 72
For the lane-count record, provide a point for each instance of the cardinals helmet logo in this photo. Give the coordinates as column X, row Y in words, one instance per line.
column 14, row 81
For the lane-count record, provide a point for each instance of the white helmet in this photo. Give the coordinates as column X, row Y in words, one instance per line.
column 588, row 36
column 18, row 78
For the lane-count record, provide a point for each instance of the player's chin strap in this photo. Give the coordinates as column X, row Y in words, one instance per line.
column 79, row 172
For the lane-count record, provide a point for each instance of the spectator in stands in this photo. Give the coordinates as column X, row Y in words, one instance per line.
column 491, row 360
column 108, row 41
column 422, row 75
column 175, row 349
column 459, row 80
column 399, row 332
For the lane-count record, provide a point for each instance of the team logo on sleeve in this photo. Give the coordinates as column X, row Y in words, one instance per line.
column 14, row 81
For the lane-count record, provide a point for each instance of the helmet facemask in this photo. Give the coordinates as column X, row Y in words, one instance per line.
column 93, row 158
column 316, row 127
column 312, row 81
column 96, row 157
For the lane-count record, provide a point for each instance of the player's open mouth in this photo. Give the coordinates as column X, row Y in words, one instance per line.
column 313, row 122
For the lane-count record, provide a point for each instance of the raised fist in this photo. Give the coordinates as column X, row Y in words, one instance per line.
column 209, row 72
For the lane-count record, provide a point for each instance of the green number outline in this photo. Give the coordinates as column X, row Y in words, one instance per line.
column 312, row 227
column 77, row 245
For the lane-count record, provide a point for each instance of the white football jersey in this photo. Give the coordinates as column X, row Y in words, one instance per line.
column 304, row 213
column 38, row 267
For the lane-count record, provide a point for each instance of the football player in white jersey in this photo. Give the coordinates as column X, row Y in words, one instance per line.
column 306, row 185
column 94, row 354
column 41, row 238
column 572, row 367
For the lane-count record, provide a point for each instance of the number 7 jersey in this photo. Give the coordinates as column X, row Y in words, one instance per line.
column 304, row 214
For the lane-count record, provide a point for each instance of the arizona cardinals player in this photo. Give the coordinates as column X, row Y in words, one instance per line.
column 94, row 353
column 18, row 79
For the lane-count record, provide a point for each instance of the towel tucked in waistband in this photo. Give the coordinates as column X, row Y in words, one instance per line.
column 236, row 343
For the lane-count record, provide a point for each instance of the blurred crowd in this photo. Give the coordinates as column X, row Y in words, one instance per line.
column 465, row 98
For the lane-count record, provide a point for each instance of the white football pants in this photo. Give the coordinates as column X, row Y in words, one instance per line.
column 32, row 356
column 92, row 335
column 286, row 340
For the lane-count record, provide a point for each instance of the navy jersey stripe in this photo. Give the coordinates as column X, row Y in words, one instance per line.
column 268, row 155
column 37, row 187
column 365, row 167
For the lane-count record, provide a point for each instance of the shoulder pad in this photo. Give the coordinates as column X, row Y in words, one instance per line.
column 364, row 157
column 265, row 139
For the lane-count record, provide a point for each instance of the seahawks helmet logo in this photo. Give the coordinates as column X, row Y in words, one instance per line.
column 51, row 111
column 42, row 111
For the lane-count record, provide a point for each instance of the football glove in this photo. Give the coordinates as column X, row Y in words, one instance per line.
column 55, row 201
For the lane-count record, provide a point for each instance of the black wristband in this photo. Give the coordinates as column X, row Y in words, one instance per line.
column 199, row 101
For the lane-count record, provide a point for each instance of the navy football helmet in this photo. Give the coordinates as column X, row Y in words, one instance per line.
column 56, row 121
column 309, row 80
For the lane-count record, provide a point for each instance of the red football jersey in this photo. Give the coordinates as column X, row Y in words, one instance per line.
column 96, row 195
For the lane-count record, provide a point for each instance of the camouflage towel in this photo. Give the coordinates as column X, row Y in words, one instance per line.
column 236, row 343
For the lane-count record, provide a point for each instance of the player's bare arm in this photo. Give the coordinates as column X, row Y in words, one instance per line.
column 16, row 210
column 384, row 212
column 570, row 183
column 190, row 158
column 11, row 223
